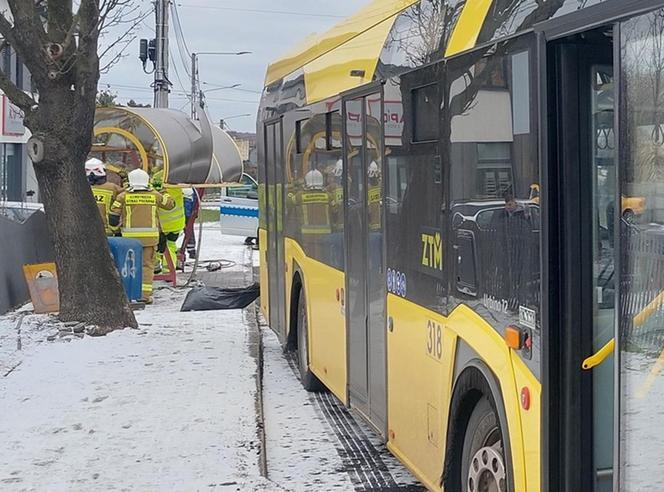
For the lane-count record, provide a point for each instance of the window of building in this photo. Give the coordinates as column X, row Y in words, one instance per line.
column 494, row 175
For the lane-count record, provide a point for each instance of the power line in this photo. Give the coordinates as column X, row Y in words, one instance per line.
column 179, row 94
column 226, row 99
column 262, row 11
column 181, row 41
column 177, row 73
column 176, row 15
column 239, row 89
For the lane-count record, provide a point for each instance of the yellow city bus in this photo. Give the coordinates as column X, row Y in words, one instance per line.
column 440, row 241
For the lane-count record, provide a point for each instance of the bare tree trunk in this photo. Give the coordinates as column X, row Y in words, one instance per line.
column 90, row 287
column 61, row 54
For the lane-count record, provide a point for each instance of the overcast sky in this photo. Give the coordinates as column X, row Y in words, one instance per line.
column 267, row 29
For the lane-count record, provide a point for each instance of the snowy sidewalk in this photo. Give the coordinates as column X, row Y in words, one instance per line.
column 171, row 406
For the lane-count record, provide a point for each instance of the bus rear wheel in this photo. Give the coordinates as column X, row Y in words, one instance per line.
column 309, row 381
column 483, row 458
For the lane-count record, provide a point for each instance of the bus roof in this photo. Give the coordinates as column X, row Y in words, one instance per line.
column 315, row 46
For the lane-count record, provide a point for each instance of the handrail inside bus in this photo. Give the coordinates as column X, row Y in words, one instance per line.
column 600, row 356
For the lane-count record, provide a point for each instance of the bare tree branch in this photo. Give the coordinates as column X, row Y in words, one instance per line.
column 26, row 16
column 25, row 38
column 16, row 95
column 119, row 13
column 59, row 19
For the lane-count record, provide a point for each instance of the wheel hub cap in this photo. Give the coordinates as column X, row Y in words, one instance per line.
column 487, row 471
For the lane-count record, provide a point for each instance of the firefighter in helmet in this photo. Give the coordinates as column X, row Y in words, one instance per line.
column 104, row 191
column 374, row 195
column 136, row 212
column 315, row 204
column 335, row 190
column 171, row 222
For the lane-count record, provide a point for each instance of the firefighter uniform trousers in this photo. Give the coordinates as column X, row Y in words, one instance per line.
column 137, row 212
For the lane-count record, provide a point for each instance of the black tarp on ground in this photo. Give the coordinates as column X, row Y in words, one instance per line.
column 21, row 243
column 213, row 298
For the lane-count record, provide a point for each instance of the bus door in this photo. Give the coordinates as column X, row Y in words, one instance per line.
column 275, row 241
column 640, row 440
column 365, row 279
column 582, row 305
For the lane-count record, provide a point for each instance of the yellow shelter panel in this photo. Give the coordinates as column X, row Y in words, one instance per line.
column 315, row 46
column 468, row 26
column 330, row 74
column 327, row 318
column 420, row 354
column 265, row 286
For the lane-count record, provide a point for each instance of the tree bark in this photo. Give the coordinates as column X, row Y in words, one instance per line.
column 62, row 59
column 90, row 287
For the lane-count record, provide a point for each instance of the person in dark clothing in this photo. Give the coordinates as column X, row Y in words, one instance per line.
column 190, row 208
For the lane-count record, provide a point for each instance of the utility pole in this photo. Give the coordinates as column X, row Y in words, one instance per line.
column 196, row 93
column 194, row 85
column 161, row 82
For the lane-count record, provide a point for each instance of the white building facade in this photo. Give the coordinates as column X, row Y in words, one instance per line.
column 17, row 178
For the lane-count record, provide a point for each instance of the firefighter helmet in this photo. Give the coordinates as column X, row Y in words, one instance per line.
column 314, row 179
column 138, row 180
column 338, row 169
column 95, row 167
column 373, row 171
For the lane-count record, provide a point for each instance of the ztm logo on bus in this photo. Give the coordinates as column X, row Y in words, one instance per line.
column 432, row 251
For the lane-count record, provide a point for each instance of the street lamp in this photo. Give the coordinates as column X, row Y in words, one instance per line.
column 194, row 74
column 222, row 121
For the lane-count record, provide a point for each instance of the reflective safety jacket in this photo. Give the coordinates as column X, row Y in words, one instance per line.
column 137, row 212
column 105, row 194
column 315, row 207
column 337, row 207
column 374, row 198
column 173, row 220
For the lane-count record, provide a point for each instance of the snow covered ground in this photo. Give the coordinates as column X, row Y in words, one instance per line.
column 173, row 405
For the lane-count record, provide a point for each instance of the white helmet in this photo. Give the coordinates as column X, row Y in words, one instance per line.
column 138, row 180
column 314, row 179
column 373, row 170
column 96, row 167
column 338, row 168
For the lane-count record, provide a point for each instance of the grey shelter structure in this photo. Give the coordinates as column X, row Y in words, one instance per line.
column 30, row 243
column 187, row 152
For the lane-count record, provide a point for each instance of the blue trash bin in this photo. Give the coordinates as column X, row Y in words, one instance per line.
column 128, row 258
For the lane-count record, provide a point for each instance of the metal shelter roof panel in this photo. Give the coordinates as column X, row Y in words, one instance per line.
column 190, row 153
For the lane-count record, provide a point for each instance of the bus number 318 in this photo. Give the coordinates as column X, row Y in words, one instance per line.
column 434, row 340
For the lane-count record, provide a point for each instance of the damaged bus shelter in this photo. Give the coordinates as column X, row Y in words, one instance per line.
column 191, row 154
column 188, row 152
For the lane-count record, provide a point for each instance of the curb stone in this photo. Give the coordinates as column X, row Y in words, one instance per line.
column 256, row 351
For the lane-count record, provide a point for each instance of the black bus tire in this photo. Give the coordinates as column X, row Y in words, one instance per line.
column 309, row 381
column 483, row 465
